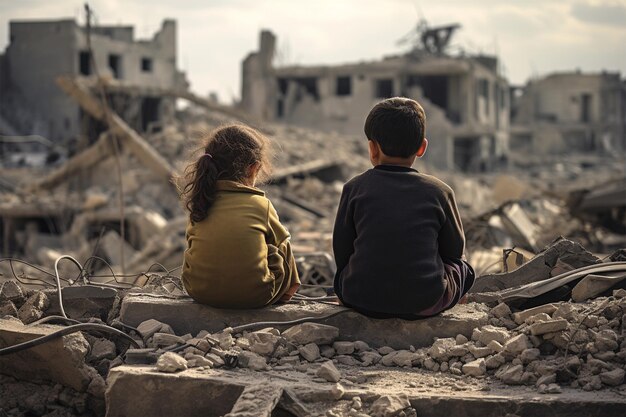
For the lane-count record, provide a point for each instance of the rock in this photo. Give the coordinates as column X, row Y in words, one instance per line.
column 546, row 379
column 327, row 351
column 263, row 343
column 390, row 405
column 537, row 318
column 337, row 391
column 252, row 360
column 458, row 350
column 529, row 355
column 553, row 389
column 510, row 374
column 460, row 339
column 495, row 346
column 387, row 360
column 102, row 349
column 566, row 311
column 613, row 378
column 344, row 348
column 310, row 352
column 97, row 386
column 148, row 328
column 440, row 349
column 517, row 344
column 521, row 316
column 289, row 360
column 346, row 360
column 543, row 327
column 475, row 368
column 34, row 308
column 403, row 358
column 7, row 308
column 196, row 361
column 11, row 291
column 171, row 362
column 606, row 340
column 501, row 310
column 361, row 346
column 329, row 372
column 224, row 339
column 430, row 364
column 385, row 350
column 489, row 333
column 306, row 333
column 480, row 352
column 166, row 339
column 495, row 361
column 370, row 358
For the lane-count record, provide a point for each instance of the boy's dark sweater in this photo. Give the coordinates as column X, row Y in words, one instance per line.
column 394, row 226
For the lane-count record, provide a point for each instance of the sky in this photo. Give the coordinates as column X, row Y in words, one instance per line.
column 532, row 37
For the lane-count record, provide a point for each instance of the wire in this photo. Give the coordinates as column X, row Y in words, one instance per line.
column 54, row 318
column 56, row 271
column 239, row 329
column 65, row 331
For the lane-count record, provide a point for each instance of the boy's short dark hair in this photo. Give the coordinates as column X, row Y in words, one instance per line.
column 397, row 124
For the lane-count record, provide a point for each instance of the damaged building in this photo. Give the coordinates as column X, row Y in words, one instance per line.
column 465, row 97
column 31, row 103
column 571, row 111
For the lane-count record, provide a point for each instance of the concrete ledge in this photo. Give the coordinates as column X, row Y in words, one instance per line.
column 140, row 390
column 60, row 360
column 187, row 316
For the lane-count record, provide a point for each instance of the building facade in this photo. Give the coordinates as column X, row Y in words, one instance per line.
column 40, row 51
column 466, row 100
column 571, row 111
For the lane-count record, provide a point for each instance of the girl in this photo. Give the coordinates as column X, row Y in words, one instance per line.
column 238, row 254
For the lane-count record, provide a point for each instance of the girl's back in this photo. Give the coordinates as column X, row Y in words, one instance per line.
column 238, row 253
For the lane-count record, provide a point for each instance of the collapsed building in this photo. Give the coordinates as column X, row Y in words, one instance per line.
column 570, row 111
column 465, row 97
column 40, row 51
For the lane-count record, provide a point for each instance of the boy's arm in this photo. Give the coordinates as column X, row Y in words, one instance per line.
column 344, row 232
column 451, row 236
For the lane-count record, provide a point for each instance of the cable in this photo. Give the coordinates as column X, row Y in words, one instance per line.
column 56, row 271
column 65, row 331
column 54, row 318
column 239, row 329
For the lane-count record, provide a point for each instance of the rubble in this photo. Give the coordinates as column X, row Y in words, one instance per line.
column 171, row 362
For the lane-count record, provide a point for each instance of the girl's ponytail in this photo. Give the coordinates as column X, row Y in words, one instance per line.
column 201, row 187
column 229, row 152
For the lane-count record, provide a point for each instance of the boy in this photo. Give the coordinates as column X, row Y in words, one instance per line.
column 398, row 239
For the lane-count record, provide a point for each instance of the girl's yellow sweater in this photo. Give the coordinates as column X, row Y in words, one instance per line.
column 240, row 255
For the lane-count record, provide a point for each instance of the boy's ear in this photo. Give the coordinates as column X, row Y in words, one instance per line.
column 422, row 150
column 374, row 149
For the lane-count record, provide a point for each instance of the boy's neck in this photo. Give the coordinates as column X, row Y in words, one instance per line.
column 388, row 160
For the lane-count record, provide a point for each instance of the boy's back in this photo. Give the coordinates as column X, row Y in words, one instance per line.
column 398, row 239
column 394, row 226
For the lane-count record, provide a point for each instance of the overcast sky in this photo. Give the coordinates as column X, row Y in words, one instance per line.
column 532, row 37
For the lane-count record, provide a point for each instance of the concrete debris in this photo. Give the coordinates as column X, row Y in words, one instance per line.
column 329, row 372
column 171, row 362
column 305, row 333
column 34, row 308
column 390, row 405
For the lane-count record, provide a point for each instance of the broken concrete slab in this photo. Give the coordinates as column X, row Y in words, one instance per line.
column 60, row 360
column 539, row 268
column 186, row 316
column 83, row 301
column 140, row 390
column 257, row 400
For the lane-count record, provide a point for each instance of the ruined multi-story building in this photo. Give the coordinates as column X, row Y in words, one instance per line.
column 570, row 111
column 465, row 97
column 41, row 51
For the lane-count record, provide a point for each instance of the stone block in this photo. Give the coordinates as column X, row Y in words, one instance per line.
column 551, row 326
column 186, row 316
column 60, row 360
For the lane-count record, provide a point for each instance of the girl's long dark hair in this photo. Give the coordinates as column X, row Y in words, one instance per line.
column 227, row 154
